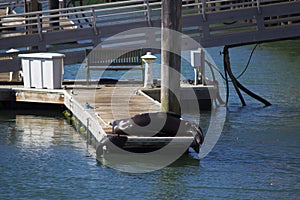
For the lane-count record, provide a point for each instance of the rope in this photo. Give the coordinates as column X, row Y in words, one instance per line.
column 248, row 62
column 237, row 84
column 216, row 68
column 105, row 123
column 244, row 70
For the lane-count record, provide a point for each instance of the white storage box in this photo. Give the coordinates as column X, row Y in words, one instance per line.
column 42, row 70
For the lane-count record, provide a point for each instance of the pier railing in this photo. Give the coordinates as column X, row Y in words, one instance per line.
column 124, row 12
column 212, row 23
column 119, row 13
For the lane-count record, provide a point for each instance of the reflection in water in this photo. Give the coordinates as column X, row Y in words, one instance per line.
column 37, row 132
column 41, row 156
column 30, row 131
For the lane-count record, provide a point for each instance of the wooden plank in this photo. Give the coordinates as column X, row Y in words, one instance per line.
column 4, row 76
column 10, row 65
column 116, row 101
column 273, row 34
column 39, row 96
column 68, row 36
column 19, row 41
column 110, row 111
column 71, row 46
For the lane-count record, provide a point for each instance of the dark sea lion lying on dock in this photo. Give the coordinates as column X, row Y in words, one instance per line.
column 159, row 124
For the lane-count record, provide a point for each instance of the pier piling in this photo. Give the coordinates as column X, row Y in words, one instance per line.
column 170, row 55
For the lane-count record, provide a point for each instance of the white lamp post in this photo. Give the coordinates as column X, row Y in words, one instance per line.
column 148, row 59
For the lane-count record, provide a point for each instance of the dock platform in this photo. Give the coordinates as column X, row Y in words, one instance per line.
column 111, row 103
column 94, row 109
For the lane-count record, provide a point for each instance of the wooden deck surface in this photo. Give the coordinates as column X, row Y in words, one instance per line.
column 111, row 103
column 4, row 76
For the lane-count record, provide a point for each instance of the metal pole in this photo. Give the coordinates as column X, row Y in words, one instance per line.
column 202, row 65
column 258, row 6
column 170, row 55
column 203, row 9
column 148, row 13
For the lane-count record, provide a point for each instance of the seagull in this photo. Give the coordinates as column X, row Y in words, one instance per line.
column 73, row 93
column 88, row 106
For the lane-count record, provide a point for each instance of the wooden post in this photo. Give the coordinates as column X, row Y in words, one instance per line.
column 31, row 6
column 62, row 3
column 171, row 55
column 53, row 4
column 34, row 6
column 25, row 6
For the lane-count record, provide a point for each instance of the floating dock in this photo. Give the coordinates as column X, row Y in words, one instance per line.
column 92, row 109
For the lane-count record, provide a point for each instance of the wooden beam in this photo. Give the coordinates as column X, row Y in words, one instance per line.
column 39, row 97
column 170, row 55
column 53, row 4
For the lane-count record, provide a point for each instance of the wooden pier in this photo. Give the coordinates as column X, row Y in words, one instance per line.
column 106, row 103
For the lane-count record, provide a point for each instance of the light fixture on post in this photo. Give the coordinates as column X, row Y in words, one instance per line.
column 149, row 59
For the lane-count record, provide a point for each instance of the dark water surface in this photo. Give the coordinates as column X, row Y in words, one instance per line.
column 257, row 156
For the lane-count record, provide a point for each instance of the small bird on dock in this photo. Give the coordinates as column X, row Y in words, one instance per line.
column 73, row 93
column 88, row 106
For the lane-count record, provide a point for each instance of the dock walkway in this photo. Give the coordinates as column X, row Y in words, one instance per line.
column 110, row 103
column 95, row 108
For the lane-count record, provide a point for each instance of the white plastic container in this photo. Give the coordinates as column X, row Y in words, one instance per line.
column 42, row 70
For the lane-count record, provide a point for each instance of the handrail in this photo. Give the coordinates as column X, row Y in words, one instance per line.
column 148, row 13
column 121, row 12
column 145, row 6
column 258, row 6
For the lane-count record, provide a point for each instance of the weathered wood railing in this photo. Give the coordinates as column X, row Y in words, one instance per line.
column 116, row 13
column 212, row 23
